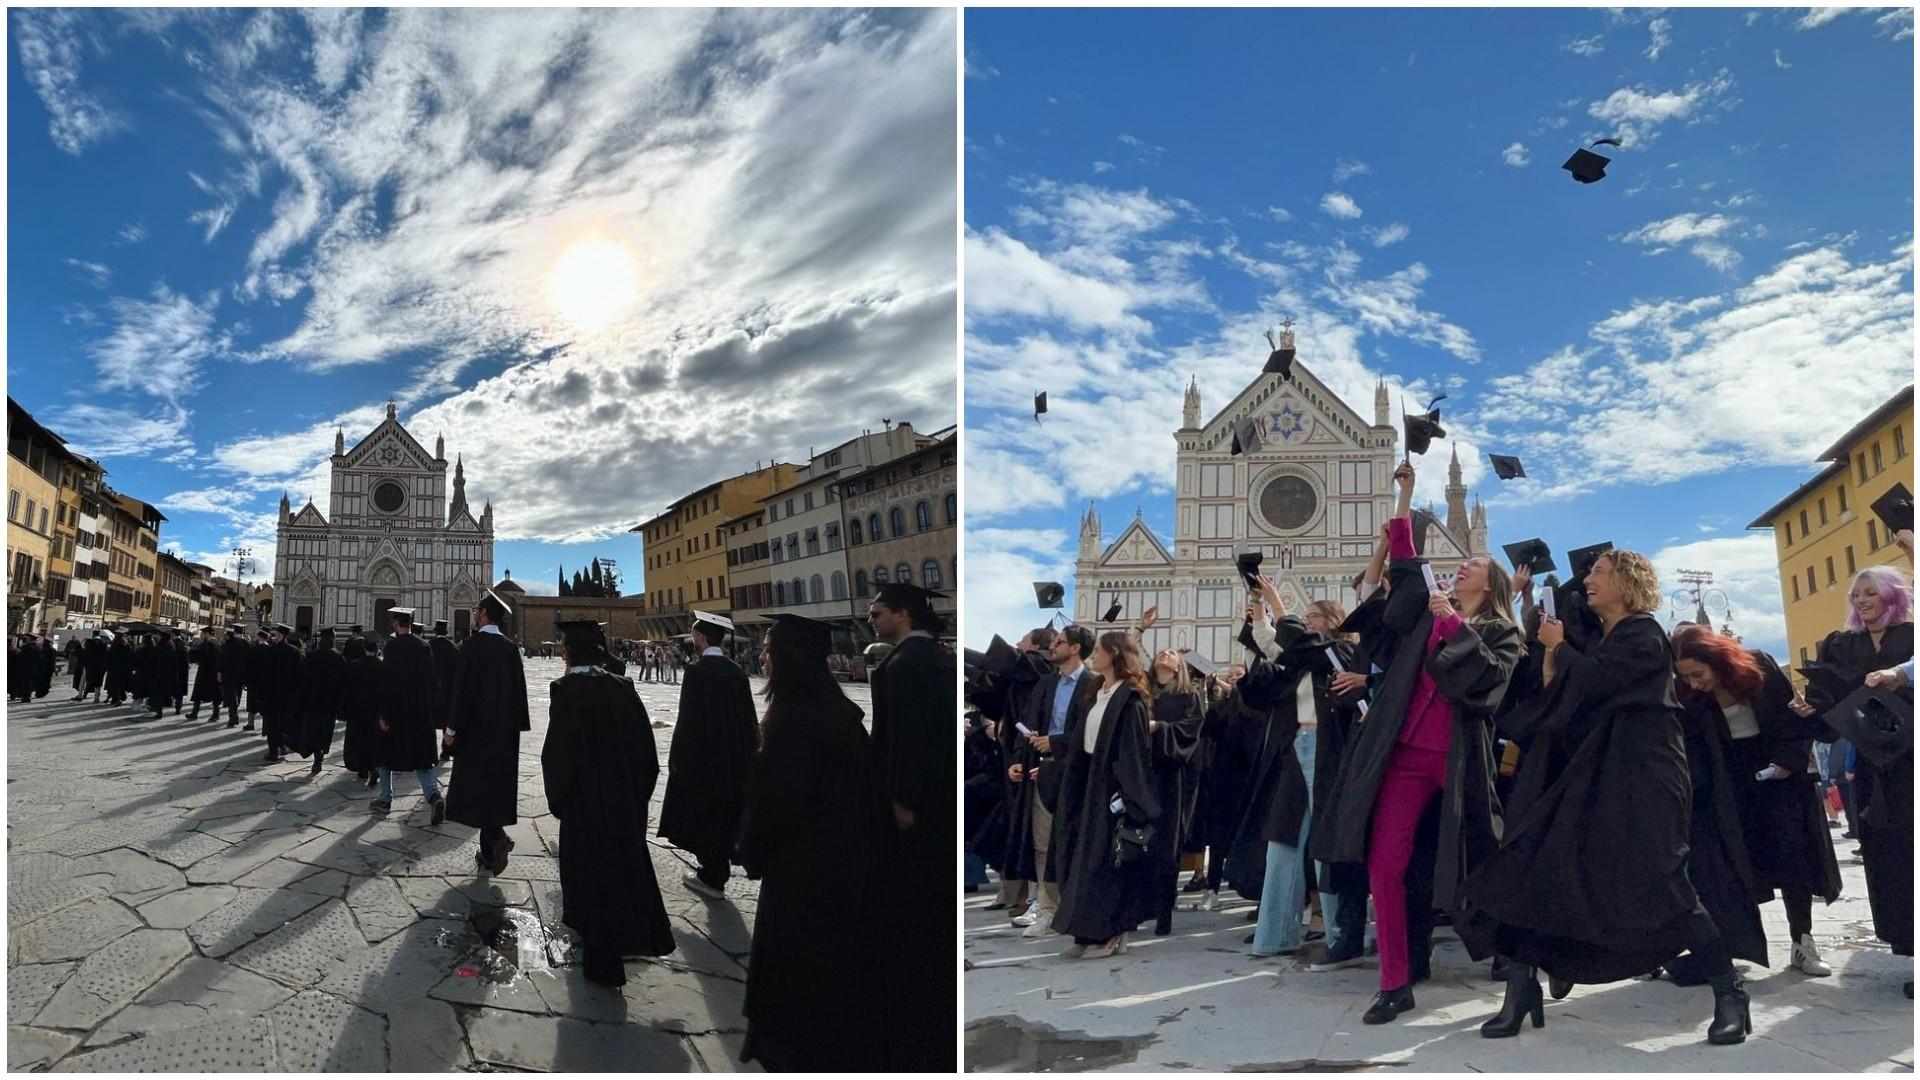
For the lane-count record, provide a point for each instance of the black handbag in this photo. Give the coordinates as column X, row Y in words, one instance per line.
column 1129, row 842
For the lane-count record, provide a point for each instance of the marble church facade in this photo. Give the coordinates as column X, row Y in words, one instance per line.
column 394, row 535
column 1312, row 501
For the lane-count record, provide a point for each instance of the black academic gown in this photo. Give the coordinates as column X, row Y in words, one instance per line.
column 76, row 668
column 1717, row 853
column 257, row 675
column 983, row 797
column 1883, row 794
column 916, row 745
column 489, row 711
column 234, row 653
column 206, row 681
column 360, row 708
column 1234, row 734
column 710, row 761
column 812, row 836
column 323, row 687
column 1589, row 882
column 119, row 667
column 43, row 673
column 94, row 659
column 1173, row 736
column 600, row 767
column 183, row 672
column 1018, row 863
column 158, row 668
column 408, row 701
column 20, row 663
column 279, row 694
column 1098, row 900
column 446, row 660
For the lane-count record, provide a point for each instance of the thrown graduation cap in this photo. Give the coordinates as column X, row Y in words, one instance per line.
column 810, row 636
column 1896, row 508
column 1533, row 554
column 1423, row 428
column 1507, row 468
column 1247, row 561
column 1280, row 360
column 1049, row 594
column 1039, row 404
column 1112, row 615
column 1580, row 560
column 1875, row 720
column 1198, row 663
column 1246, row 437
column 1000, row 657
column 1587, row 166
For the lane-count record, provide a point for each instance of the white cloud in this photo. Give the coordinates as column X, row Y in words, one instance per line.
column 1820, row 16
column 97, row 274
column 1347, row 168
column 50, row 44
column 1388, row 236
column 1636, row 113
column 1746, row 570
column 1280, row 214
column 1780, row 61
column 1006, row 278
column 132, row 234
column 1661, row 31
column 1340, row 205
column 1517, row 155
column 1000, row 564
column 1588, row 46
column 1680, row 229
column 158, row 346
column 1102, row 167
column 101, row 431
column 1716, row 254
column 1148, row 153
column 1896, row 24
column 1390, row 306
column 977, row 66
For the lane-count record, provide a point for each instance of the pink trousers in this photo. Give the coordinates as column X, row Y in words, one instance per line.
column 1414, row 776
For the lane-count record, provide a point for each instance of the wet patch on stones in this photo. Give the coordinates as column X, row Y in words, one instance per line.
column 1012, row 1044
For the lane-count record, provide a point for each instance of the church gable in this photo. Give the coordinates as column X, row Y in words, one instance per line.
column 1293, row 413
column 1136, row 547
column 389, row 447
column 462, row 522
column 309, row 517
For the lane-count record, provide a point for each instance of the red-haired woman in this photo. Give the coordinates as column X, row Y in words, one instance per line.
column 1739, row 707
column 1108, row 805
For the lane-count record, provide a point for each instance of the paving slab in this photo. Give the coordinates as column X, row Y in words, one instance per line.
column 180, row 909
column 36, row 1049
column 305, row 950
column 564, row 1044
column 426, row 1036
column 198, row 991
column 225, row 1046
column 128, row 876
column 313, row 1032
column 29, row 986
column 71, row 933
column 109, row 979
column 251, row 913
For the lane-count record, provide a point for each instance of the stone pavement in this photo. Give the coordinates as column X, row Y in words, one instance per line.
column 174, row 902
column 1197, row 1000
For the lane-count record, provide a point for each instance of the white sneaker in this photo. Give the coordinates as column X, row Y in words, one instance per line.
column 1028, row 917
column 1806, row 957
column 1210, row 900
column 1041, row 927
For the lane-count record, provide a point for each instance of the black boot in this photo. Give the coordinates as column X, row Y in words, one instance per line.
column 315, row 771
column 1388, row 1004
column 1559, row 987
column 1163, row 925
column 1732, row 1021
column 1500, row 969
column 1523, row 998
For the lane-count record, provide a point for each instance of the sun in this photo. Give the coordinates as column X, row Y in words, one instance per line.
column 593, row 282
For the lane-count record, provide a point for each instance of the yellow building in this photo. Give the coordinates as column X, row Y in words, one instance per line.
column 1826, row 529
column 685, row 548
column 35, row 457
column 133, row 563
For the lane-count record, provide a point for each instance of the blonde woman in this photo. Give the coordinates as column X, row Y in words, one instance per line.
column 1590, row 881
column 1108, row 805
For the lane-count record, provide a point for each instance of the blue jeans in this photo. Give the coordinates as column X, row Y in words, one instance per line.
column 429, row 786
column 1284, row 892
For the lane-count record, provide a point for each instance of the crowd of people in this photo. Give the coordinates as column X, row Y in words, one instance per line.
column 806, row 801
column 1578, row 792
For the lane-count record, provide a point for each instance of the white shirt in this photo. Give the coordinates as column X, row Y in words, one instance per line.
column 1305, row 709
column 1740, row 721
column 491, row 629
column 712, row 650
column 1095, row 714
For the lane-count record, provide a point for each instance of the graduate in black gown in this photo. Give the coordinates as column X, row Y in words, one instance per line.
column 20, row 664
column 1173, row 732
column 233, row 672
column 119, row 668
column 94, row 658
column 159, row 670
column 446, row 659
column 359, row 708
column 916, row 745
column 76, row 669
column 182, row 668
column 279, row 693
column 1878, row 636
column 1231, row 735
column 43, row 672
column 257, row 673
column 600, row 766
column 1590, row 880
column 710, row 759
column 205, row 656
column 408, row 701
column 323, row 685
column 489, row 711
column 811, row 837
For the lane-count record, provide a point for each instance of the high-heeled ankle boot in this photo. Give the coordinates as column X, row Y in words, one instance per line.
column 1523, row 998
column 1732, row 1020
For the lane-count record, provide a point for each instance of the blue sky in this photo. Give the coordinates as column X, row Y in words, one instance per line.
column 612, row 255
column 1668, row 349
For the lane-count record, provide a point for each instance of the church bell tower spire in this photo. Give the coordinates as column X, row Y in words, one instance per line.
column 1190, row 414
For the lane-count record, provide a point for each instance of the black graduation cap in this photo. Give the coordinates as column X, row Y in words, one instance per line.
column 1198, row 663
column 1507, row 468
column 1895, row 508
column 1049, row 594
column 580, row 632
column 505, row 608
column 901, row 595
column 1587, row 166
column 1112, row 615
column 357, row 629
column 1832, row 683
column 1422, row 429
column 1280, row 360
column 401, row 615
column 439, row 627
column 1581, row 559
column 1039, row 404
column 809, row 636
column 1000, row 657
column 1530, row 553
column 285, row 629
column 1247, row 561
column 713, row 626
column 1246, row 437
column 1877, row 721
column 326, row 637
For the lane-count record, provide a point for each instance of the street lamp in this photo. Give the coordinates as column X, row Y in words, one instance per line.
column 1703, row 601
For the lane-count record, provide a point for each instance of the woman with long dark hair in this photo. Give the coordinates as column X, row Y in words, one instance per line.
column 1173, row 729
column 600, row 768
column 811, row 836
column 1428, row 735
column 1109, row 807
column 1878, row 635
column 1590, row 879
column 1739, row 709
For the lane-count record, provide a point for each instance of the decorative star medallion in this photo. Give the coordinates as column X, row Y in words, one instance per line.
column 1287, row 422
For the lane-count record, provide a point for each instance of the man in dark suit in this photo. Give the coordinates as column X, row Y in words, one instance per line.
column 1033, row 766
